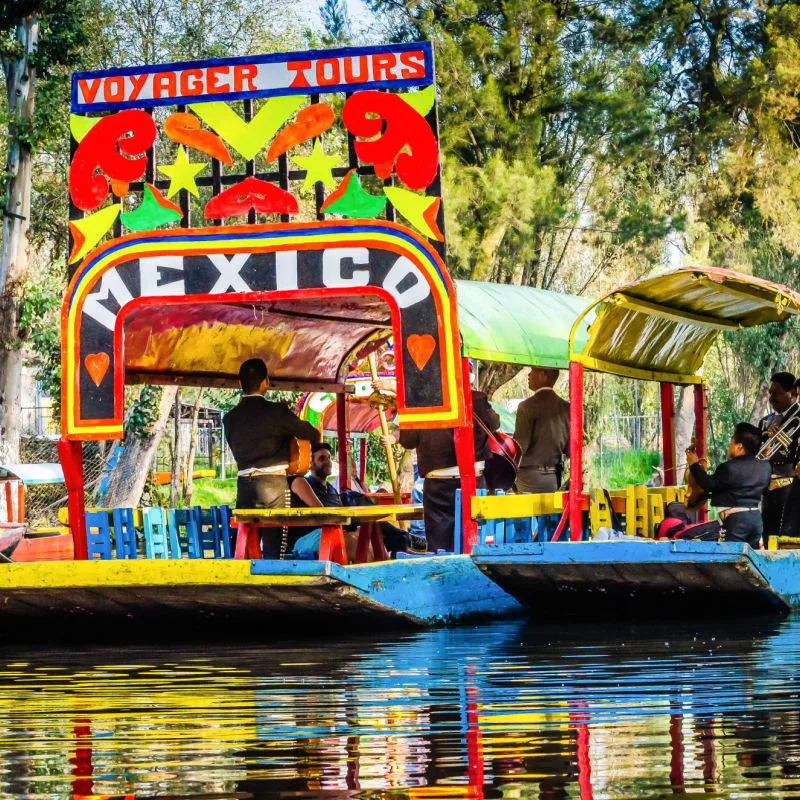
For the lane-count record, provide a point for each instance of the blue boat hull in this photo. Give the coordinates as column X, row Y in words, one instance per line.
column 643, row 578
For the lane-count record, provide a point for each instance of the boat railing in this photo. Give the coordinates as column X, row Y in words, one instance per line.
column 509, row 518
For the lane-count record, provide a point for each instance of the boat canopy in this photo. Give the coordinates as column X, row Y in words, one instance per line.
column 29, row 474
column 519, row 324
column 300, row 338
column 306, row 342
column 661, row 327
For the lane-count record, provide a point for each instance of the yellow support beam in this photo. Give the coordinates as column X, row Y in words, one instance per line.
column 516, row 506
column 139, row 574
column 599, row 511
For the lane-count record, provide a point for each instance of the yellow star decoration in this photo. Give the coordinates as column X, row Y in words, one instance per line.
column 181, row 174
column 318, row 166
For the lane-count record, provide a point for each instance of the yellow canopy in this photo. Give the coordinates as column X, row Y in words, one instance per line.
column 660, row 328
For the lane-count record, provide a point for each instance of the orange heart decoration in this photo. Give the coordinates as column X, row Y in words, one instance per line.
column 420, row 348
column 97, row 366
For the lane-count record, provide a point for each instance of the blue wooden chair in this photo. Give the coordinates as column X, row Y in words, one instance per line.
column 124, row 533
column 222, row 519
column 208, row 531
column 183, row 534
column 156, row 535
column 98, row 535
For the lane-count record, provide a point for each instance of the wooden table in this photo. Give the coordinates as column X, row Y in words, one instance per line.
column 331, row 520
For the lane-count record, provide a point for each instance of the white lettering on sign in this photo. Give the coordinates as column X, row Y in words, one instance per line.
column 332, row 266
column 111, row 285
column 261, row 76
column 150, row 275
column 229, row 277
column 285, row 270
column 417, row 290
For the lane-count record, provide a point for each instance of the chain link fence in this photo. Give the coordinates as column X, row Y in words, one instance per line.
column 42, row 501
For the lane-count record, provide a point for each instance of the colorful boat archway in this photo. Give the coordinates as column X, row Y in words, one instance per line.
column 317, row 244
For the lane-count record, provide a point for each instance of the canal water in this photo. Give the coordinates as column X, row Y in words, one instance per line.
column 507, row 710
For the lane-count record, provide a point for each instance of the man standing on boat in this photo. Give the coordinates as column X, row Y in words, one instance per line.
column 542, row 430
column 259, row 433
column 782, row 398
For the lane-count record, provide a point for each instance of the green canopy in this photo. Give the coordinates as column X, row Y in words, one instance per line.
column 519, row 324
column 508, row 420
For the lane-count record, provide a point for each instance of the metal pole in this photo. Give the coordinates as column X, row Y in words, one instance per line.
column 398, row 499
column 700, row 424
column 668, row 433
column 341, row 435
column 575, row 450
column 465, row 456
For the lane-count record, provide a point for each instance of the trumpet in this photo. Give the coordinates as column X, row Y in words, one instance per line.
column 780, row 442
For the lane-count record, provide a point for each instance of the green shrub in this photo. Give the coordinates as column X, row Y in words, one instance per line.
column 622, row 467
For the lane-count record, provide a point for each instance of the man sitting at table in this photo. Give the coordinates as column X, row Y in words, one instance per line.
column 395, row 539
column 259, row 432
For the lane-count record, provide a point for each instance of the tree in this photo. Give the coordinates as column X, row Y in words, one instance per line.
column 144, row 430
column 547, row 142
column 37, row 38
column 336, row 21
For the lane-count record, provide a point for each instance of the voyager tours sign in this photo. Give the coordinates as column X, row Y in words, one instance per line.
column 312, row 72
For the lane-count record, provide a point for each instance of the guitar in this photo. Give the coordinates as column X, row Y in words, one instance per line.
column 695, row 494
column 500, row 469
column 299, row 457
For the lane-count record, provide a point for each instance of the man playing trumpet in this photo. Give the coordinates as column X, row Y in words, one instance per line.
column 781, row 452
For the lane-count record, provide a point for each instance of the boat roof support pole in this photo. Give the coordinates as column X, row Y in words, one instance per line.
column 341, row 435
column 575, row 450
column 70, row 453
column 667, row 395
column 362, row 460
column 465, row 456
column 700, row 427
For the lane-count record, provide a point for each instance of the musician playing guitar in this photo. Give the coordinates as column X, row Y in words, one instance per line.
column 260, row 434
column 436, row 461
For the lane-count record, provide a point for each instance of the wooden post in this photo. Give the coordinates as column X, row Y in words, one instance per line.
column 362, row 461
column 575, row 450
column 9, row 502
column 20, row 502
column 465, row 456
column 341, row 435
column 700, row 427
column 373, row 368
column 70, row 453
column 668, row 433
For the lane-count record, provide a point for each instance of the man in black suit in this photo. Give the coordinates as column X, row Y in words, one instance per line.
column 259, row 433
column 775, row 504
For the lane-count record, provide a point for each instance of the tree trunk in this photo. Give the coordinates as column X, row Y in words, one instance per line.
column 20, row 78
column 761, row 402
column 493, row 375
column 129, row 477
column 177, row 454
column 187, row 479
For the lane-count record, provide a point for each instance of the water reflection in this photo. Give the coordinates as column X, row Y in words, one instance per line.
column 507, row 710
